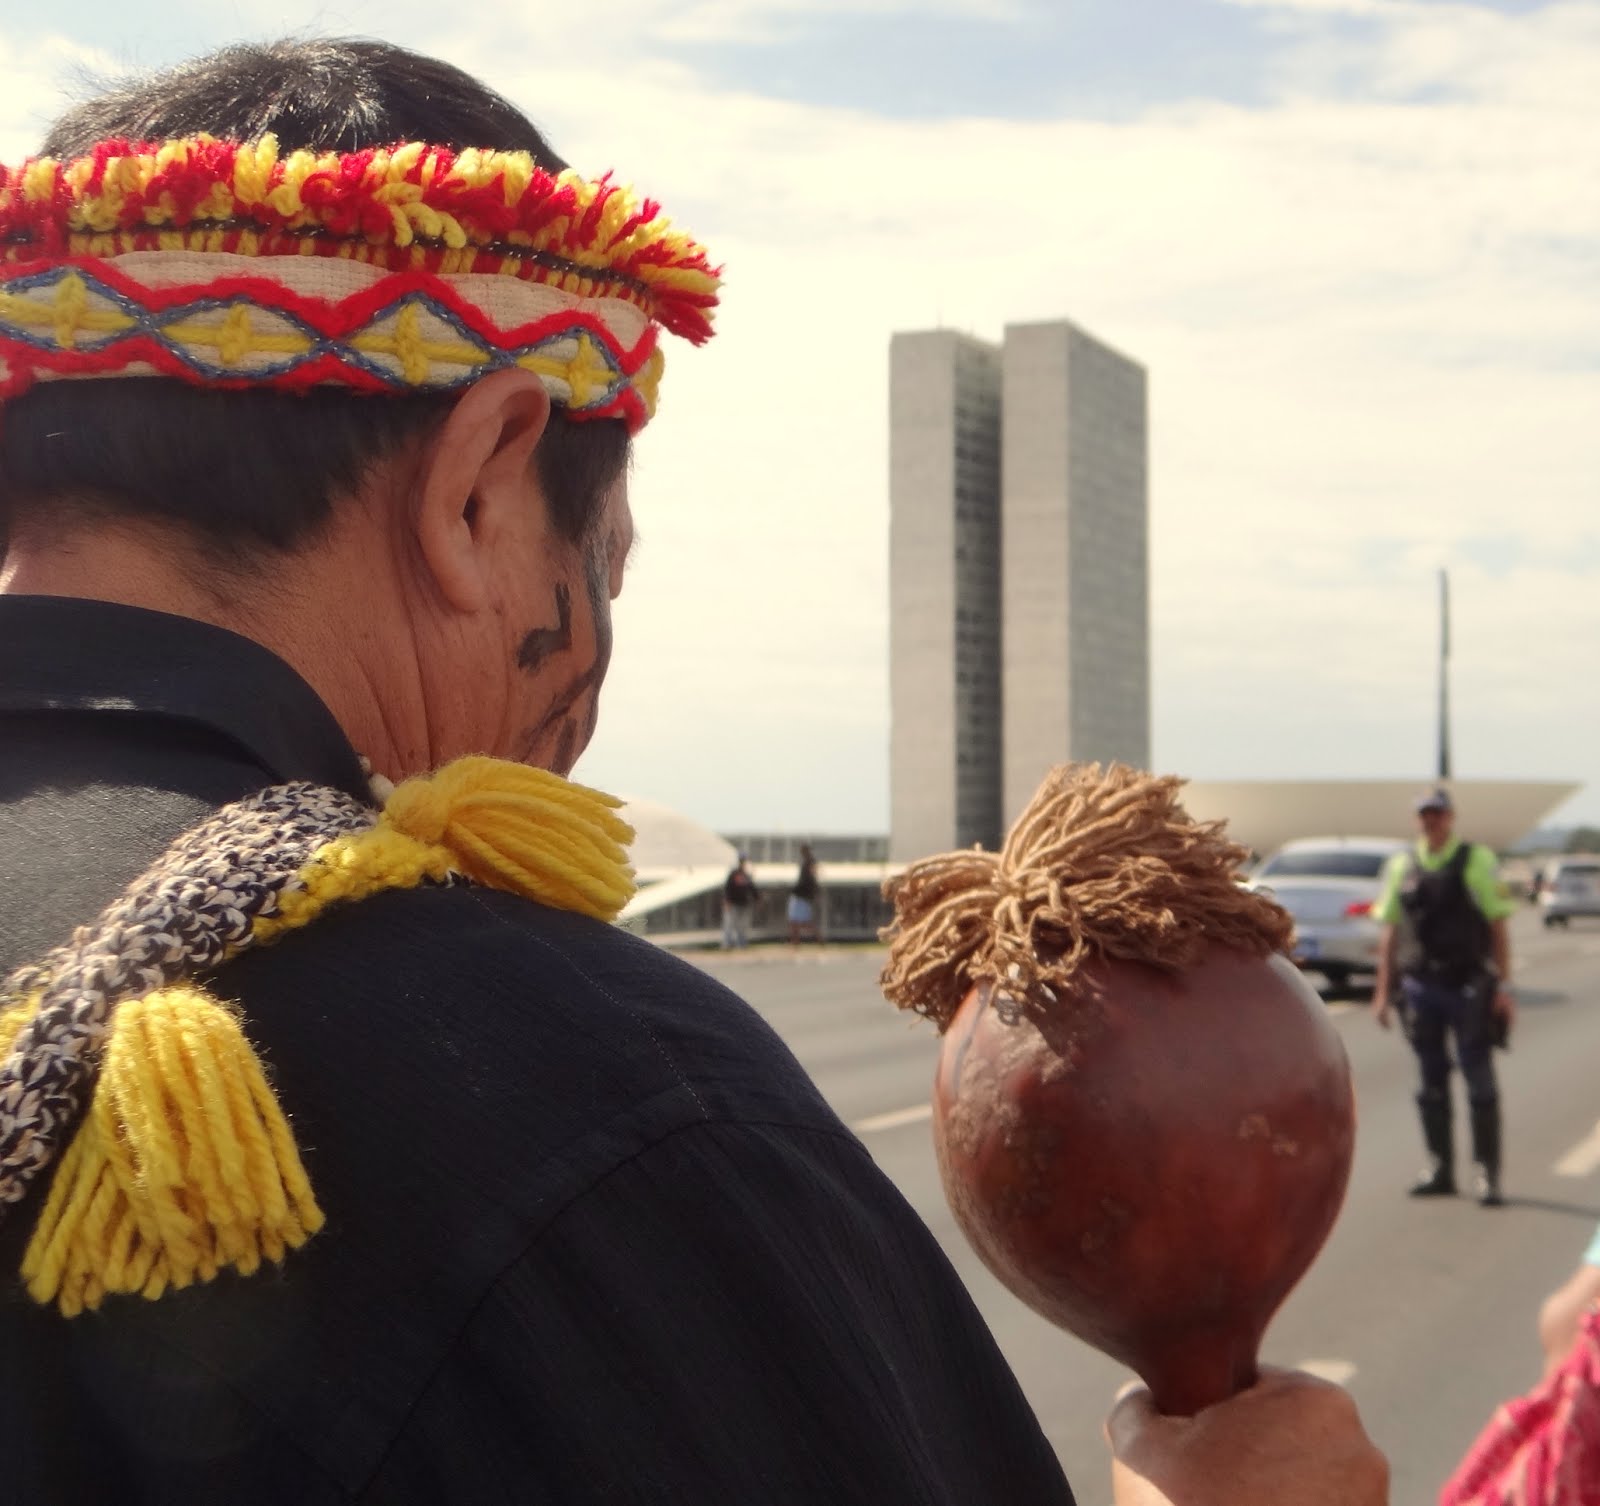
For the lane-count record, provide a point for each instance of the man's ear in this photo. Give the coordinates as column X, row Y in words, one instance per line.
column 473, row 482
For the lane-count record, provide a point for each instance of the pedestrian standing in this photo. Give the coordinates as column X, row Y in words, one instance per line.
column 1444, row 912
column 739, row 895
column 803, row 900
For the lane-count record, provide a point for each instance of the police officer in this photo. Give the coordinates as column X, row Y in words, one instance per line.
column 1444, row 913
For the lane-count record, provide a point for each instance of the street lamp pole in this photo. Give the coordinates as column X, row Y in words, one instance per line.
column 1444, row 675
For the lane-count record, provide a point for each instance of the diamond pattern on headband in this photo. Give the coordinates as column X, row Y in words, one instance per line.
column 64, row 317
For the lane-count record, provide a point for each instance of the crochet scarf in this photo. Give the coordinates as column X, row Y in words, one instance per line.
column 171, row 1157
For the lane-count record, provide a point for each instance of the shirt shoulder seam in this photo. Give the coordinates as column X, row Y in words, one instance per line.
column 494, row 1283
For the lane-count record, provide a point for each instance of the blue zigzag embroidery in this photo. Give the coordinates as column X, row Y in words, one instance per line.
column 152, row 325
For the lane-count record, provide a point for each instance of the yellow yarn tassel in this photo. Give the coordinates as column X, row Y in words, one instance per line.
column 523, row 830
column 183, row 1167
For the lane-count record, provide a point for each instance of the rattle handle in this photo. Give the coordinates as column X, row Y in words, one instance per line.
column 1201, row 1373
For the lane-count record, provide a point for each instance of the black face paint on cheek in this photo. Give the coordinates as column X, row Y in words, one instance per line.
column 575, row 730
column 542, row 643
column 566, row 747
column 597, row 581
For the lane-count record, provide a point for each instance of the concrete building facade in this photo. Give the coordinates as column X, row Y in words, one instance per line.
column 945, row 671
column 1075, row 557
column 1018, row 596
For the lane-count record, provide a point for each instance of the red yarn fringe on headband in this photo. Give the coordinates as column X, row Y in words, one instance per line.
column 465, row 212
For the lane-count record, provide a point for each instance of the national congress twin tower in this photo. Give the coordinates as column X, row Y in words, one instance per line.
column 1018, row 574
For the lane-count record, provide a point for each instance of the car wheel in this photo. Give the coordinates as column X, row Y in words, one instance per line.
column 1338, row 979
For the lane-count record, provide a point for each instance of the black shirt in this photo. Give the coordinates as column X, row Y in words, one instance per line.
column 592, row 1235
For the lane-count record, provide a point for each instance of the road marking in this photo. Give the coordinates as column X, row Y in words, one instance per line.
column 1583, row 1158
column 895, row 1120
column 1339, row 1372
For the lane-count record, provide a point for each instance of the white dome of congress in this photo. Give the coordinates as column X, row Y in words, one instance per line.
column 665, row 838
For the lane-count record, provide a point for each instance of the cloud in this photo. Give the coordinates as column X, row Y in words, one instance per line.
column 1368, row 314
column 1550, row 62
column 36, row 71
column 722, row 21
column 1434, row 49
column 1380, row 9
column 1367, row 322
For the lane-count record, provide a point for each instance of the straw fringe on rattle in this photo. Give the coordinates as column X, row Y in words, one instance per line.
column 1102, row 863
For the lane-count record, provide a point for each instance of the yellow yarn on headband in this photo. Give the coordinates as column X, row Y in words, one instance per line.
column 402, row 269
column 185, row 1164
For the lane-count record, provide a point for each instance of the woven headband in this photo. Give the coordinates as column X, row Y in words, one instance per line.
column 411, row 268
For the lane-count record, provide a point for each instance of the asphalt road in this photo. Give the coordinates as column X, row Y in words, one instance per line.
column 1425, row 1310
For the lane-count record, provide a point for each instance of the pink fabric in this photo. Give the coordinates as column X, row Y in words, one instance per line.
column 1544, row 1448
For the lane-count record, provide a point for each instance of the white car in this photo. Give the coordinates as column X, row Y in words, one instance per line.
column 1570, row 886
column 1329, row 885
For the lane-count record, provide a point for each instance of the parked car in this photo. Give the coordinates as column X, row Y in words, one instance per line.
column 1570, row 886
column 1329, row 885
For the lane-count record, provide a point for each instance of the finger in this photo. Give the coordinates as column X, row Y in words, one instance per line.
column 1305, row 1397
column 1275, row 1378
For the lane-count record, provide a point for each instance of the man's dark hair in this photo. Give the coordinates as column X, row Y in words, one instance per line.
column 242, row 470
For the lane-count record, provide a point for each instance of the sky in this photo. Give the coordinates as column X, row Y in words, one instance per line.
column 1356, row 243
